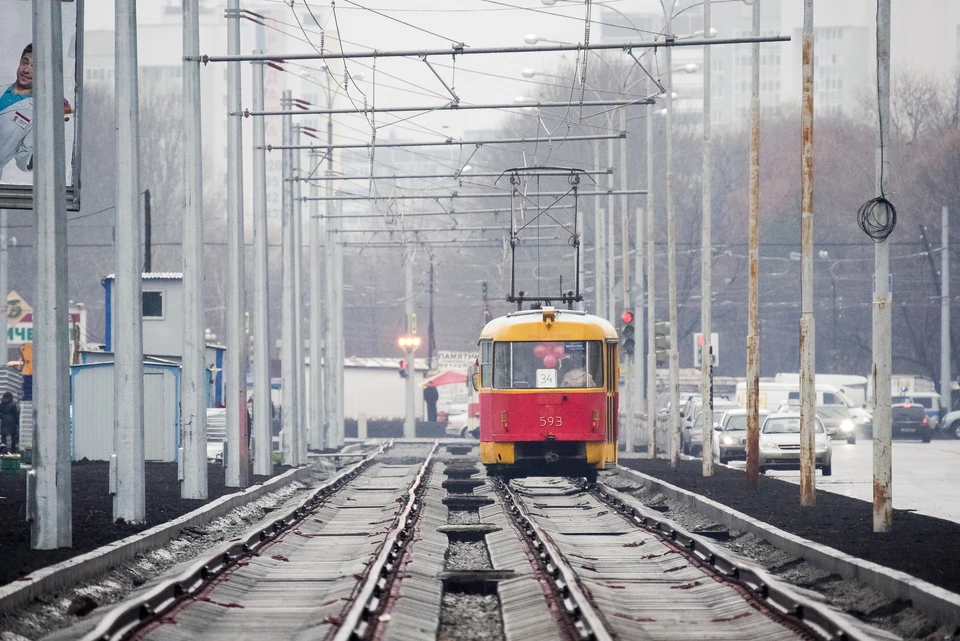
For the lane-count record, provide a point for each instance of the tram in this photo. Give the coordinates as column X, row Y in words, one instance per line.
column 548, row 389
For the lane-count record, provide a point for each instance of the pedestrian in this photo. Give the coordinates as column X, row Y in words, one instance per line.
column 16, row 116
column 10, row 422
column 430, row 396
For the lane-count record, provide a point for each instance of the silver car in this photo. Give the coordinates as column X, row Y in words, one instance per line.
column 780, row 444
column 730, row 436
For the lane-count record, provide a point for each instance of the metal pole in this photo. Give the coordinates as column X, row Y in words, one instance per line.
column 753, row 306
column 332, row 340
column 237, row 461
column 263, row 454
column 341, row 342
column 51, row 491
column 129, row 499
column 410, row 424
column 808, row 336
column 611, row 246
column 651, row 300
column 945, row 376
column 883, row 298
column 288, row 342
column 581, row 271
column 672, row 255
column 4, row 287
column 315, row 435
column 632, row 394
column 193, row 412
column 706, row 265
column 599, row 262
column 300, row 369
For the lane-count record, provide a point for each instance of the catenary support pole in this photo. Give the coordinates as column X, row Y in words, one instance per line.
column 4, row 290
column 629, row 359
column 51, row 526
column 674, row 425
column 288, row 343
column 410, row 422
column 341, row 342
column 651, row 299
column 753, row 288
column 263, row 435
column 945, row 375
column 706, row 264
column 315, row 435
column 332, row 341
column 639, row 320
column 609, row 226
column 300, row 370
column 882, row 298
column 129, row 498
column 599, row 258
column 237, row 472
column 193, row 384
column 808, row 393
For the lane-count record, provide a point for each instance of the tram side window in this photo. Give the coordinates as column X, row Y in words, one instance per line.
column 486, row 363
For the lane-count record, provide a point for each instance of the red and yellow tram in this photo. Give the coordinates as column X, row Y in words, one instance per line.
column 548, row 388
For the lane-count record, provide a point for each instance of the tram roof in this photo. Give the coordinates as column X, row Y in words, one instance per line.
column 532, row 325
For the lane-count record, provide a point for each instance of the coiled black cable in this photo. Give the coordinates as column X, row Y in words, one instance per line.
column 877, row 218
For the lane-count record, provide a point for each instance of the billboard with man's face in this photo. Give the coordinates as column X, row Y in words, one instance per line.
column 17, row 75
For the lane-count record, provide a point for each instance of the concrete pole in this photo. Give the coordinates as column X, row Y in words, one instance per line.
column 263, row 455
column 341, row 343
column 611, row 247
column 235, row 395
column 808, row 393
column 50, row 490
column 753, row 289
column 129, row 499
column 882, row 298
column 193, row 384
column 410, row 423
column 582, row 305
column 945, row 376
column 706, row 264
column 4, row 290
column 651, row 299
column 599, row 260
column 640, row 364
column 300, row 369
column 672, row 254
column 332, row 339
column 316, row 436
column 288, row 342
column 631, row 422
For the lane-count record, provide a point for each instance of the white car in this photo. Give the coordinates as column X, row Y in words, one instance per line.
column 780, row 444
column 730, row 435
column 457, row 420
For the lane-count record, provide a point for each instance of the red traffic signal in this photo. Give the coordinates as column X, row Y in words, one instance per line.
column 627, row 316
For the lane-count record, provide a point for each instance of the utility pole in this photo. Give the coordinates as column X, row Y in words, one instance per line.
column 49, row 482
column 299, row 368
column 651, row 298
column 672, row 251
column 945, row 376
column 332, row 359
column 882, row 297
column 753, row 296
column 288, row 341
column 263, row 434
column 599, row 261
column 147, row 233
column 410, row 423
column 237, row 460
column 706, row 264
column 611, row 246
column 128, row 470
column 4, row 290
column 431, row 337
column 808, row 335
column 317, row 377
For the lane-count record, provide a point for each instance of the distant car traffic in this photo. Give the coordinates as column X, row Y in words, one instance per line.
column 910, row 420
column 730, row 436
column 838, row 422
column 691, row 434
column 780, row 444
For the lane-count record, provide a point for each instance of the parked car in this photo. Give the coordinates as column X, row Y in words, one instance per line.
column 950, row 423
column 730, row 435
column 929, row 400
column 457, row 421
column 910, row 420
column 780, row 444
column 838, row 422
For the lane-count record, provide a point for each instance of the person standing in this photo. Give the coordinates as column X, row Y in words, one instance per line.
column 430, row 397
column 10, row 422
column 16, row 116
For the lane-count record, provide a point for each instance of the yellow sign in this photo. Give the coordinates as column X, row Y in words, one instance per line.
column 26, row 354
column 17, row 308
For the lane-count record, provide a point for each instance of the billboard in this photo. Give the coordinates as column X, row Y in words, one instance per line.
column 16, row 101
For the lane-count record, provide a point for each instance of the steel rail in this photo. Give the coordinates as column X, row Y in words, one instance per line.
column 381, row 573
column 132, row 615
column 797, row 611
column 576, row 605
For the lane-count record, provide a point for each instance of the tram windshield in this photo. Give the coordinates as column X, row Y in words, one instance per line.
column 539, row 364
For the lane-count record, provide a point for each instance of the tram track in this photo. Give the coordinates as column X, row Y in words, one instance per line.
column 613, row 572
column 321, row 566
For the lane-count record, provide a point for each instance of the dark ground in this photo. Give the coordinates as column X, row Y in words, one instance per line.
column 922, row 546
column 93, row 524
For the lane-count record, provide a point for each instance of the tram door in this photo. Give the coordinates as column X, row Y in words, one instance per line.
column 613, row 381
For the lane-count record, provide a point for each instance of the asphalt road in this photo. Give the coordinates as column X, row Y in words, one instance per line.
column 926, row 476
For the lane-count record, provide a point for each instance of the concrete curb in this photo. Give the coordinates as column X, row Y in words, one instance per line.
column 941, row 605
column 99, row 561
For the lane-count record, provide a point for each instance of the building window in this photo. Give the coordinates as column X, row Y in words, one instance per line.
column 152, row 304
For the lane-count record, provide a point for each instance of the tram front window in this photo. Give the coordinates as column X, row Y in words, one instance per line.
column 534, row 364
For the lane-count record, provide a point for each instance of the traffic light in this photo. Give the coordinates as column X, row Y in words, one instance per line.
column 662, row 336
column 403, row 369
column 627, row 332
